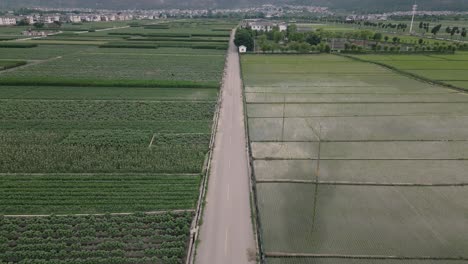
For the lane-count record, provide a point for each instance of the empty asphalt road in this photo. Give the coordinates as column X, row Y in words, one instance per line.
column 226, row 233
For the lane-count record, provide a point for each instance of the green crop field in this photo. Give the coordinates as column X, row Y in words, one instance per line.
column 127, row 66
column 356, row 163
column 448, row 69
column 136, row 238
column 70, row 193
column 86, row 129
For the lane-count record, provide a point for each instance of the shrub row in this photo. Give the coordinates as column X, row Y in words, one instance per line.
column 222, row 29
column 75, row 29
column 156, row 27
column 173, row 35
column 130, row 46
column 217, row 47
column 179, row 39
column 12, row 64
column 17, row 45
column 16, row 81
column 211, row 35
column 7, row 38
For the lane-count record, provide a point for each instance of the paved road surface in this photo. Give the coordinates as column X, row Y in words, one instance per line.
column 226, row 233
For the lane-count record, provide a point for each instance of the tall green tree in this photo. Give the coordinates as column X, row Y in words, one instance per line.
column 436, row 29
column 377, row 36
column 244, row 37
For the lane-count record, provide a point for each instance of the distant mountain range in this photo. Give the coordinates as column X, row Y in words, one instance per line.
column 350, row 5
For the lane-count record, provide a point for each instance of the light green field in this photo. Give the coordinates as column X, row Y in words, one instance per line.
column 330, row 220
column 375, row 141
column 448, row 69
column 360, row 171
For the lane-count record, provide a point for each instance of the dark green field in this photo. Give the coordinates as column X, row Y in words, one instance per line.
column 91, row 130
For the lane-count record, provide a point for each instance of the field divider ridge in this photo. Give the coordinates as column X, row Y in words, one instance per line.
column 256, row 223
column 273, row 158
column 342, row 256
column 101, row 214
column 402, row 184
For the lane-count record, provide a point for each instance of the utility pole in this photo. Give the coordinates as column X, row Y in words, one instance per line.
column 415, row 7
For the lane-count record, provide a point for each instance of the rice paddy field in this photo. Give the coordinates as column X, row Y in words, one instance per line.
column 356, row 163
column 103, row 149
column 447, row 69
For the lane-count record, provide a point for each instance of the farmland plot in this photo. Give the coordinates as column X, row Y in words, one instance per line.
column 355, row 163
column 92, row 130
column 449, row 69
column 158, row 238
column 128, row 67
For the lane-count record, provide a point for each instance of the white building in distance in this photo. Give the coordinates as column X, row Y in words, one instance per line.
column 74, row 19
column 262, row 25
column 7, row 21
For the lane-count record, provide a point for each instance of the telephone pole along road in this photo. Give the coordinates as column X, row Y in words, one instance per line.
column 226, row 233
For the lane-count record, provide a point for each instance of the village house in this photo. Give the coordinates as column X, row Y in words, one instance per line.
column 74, row 19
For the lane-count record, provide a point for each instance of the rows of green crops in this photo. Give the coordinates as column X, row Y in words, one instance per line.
column 139, row 238
column 93, row 130
column 68, row 194
column 108, row 93
column 122, row 66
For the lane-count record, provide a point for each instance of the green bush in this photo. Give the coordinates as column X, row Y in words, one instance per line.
column 17, row 45
column 157, row 26
column 217, row 47
column 130, row 46
column 11, row 64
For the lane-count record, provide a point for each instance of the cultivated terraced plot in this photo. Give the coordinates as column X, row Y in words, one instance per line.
column 355, row 163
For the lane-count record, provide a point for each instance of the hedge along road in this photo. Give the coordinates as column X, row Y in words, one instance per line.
column 226, row 234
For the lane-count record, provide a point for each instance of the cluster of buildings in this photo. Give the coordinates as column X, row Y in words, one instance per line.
column 70, row 18
column 386, row 16
column 264, row 25
column 47, row 15
column 7, row 21
column 371, row 17
column 426, row 13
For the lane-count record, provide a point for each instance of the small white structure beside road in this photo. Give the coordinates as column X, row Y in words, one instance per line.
column 242, row 49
